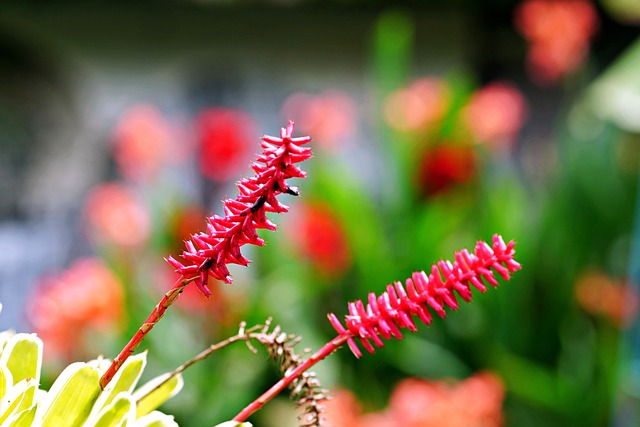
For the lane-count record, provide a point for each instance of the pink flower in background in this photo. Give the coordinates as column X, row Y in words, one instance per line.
column 85, row 298
column 226, row 138
column 495, row 114
column 445, row 167
column 559, row 33
column 473, row 402
column 418, row 106
column 116, row 216
column 317, row 234
column 330, row 117
column 141, row 142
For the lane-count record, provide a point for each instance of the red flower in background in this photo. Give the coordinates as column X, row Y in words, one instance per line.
column 495, row 114
column 418, row 106
column 559, row 33
column 116, row 216
column 87, row 297
column 141, row 142
column 317, row 234
column 226, row 137
column 330, row 116
column 444, row 167
column 474, row 402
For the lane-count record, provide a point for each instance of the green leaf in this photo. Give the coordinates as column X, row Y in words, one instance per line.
column 148, row 397
column 121, row 411
column 72, row 396
column 24, row 418
column 156, row 419
column 17, row 396
column 22, row 355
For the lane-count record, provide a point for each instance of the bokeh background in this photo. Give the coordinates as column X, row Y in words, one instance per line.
column 435, row 124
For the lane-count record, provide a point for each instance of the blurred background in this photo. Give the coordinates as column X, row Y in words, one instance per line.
column 434, row 124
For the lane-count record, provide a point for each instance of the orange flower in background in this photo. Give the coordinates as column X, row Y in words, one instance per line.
column 87, row 297
column 116, row 216
column 317, row 234
column 141, row 142
column 226, row 138
column 444, row 167
column 343, row 409
column 600, row 295
column 418, row 106
column 559, row 33
column 495, row 114
column 330, row 117
column 473, row 402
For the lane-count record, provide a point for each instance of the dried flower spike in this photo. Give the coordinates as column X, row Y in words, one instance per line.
column 385, row 315
column 208, row 253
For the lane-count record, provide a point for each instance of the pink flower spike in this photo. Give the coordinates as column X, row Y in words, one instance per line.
column 336, row 323
column 367, row 345
column 397, row 306
column 354, row 348
column 207, row 253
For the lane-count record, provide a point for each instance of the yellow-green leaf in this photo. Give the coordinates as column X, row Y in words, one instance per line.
column 15, row 399
column 24, row 418
column 124, row 380
column 23, row 356
column 72, row 396
column 121, row 411
column 156, row 419
column 150, row 396
column 6, row 381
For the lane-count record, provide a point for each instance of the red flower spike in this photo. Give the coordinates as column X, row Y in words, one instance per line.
column 395, row 308
column 208, row 253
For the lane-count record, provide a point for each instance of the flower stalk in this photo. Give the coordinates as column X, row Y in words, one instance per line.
column 395, row 308
column 208, row 253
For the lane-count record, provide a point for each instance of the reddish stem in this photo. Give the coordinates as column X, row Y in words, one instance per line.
column 291, row 376
column 154, row 317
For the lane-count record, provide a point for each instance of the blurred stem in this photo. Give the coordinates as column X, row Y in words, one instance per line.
column 392, row 54
column 626, row 406
column 392, row 44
